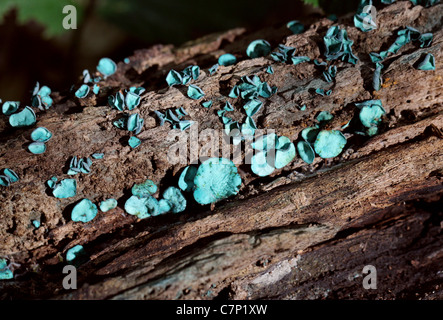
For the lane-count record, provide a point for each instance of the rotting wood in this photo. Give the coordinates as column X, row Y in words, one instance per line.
column 301, row 233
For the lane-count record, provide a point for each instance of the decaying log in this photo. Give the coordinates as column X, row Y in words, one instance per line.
column 305, row 232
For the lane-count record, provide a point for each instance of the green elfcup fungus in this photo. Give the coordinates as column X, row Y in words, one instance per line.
column 285, row 152
column 427, row 63
column 152, row 206
column 136, row 206
column 9, row 107
column 324, row 117
column 330, row 74
column 274, row 153
column 65, row 189
column 322, row 92
column 36, row 224
column 248, row 128
column 52, row 182
column 190, row 72
column 37, row 147
column 180, row 112
column 135, row 123
column 74, row 253
column 175, row 198
column 363, row 19
column 137, row 90
column 41, row 98
column 371, row 112
column 346, row 125
column 164, row 206
column 79, row 165
column 378, row 57
column 213, row 69
column 107, row 67
column 295, row 26
column 195, row 92
column 372, row 131
column 329, row 143
column 338, row 46
column 425, row 40
column 195, row 72
column 306, row 152
column 96, row 89
column 258, row 48
column 121, row 122
column 261, row 165
column 11, row 175
column 299, row 59
column 117, row 102
column 377, row 79
column 44, row 91
column 84, row 211
column 207, row 104
column 252, row 107
column 266, row 142
column 142, row 207
column 144, row 189
column 232, row 130
column 24, row 118
column 235, row 92
column 227, row 59
column 132, row 100
column 186, row 180
column 82, row 92
column 41, row 134
column 108, row 204
column 86, row 76
column 309, row 134
column 184, row 124
column 5, row 181
column 174, row 118
column 173, row 78
column 284, row 54
column 98, row 155
column 216, row 179
column 134, row 142
column 5, row 272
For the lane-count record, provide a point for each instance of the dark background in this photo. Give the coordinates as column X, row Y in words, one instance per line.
column 35, row 47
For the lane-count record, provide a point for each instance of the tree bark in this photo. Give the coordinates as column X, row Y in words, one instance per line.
column 305, row 232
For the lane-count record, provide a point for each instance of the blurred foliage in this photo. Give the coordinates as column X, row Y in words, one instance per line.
column 337, row 7
column 46, row 12
column 175, row 21
column 115, row 28
column 179, row 20
column 314, row 3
